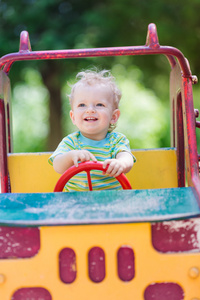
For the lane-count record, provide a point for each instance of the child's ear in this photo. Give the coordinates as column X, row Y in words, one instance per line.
column 115, row 116
column 71, row 113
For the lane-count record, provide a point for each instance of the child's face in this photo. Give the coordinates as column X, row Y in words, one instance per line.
column 93, row 110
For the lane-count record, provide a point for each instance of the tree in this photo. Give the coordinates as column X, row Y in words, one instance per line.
column 58, row 24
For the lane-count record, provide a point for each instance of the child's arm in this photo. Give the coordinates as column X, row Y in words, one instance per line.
column 62, row 162
column 121, row 164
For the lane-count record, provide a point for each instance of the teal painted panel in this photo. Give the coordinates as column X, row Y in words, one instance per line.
column 100, row 207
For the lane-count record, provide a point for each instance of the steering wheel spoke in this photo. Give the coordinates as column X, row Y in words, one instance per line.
column 89, row 180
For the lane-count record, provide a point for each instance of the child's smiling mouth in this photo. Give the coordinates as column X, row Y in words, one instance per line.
column 90, row 119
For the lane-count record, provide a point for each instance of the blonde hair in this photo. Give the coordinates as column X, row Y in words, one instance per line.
column 91, row 77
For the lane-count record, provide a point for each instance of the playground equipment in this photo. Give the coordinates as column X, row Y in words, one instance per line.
column 138, row 244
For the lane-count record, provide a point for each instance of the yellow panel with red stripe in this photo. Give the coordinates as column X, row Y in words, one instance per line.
column 31, row 172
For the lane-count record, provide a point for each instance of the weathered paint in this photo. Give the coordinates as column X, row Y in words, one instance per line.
column 98, row 207
column 43, row 269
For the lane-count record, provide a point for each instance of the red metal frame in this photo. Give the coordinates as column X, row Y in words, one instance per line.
column 3, row 149
column 183, row 117
column 5, row 131
column 151, row 47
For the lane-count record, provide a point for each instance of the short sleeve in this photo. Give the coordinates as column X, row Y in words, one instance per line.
column 121, row 144
column 66, row 145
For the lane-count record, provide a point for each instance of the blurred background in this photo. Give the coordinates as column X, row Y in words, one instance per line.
column 39, row 88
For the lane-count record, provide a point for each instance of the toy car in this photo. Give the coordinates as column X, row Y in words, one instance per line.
column 139, row 243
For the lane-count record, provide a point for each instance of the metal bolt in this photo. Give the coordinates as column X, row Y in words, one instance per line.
column 196, row 113
column 194, row 272
column 194, row 79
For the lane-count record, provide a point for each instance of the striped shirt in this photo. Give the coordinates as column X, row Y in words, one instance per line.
column 107, row 148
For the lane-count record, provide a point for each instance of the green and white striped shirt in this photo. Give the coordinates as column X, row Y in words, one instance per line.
column 107, row 148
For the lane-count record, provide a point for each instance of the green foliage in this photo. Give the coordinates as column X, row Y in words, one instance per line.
column 144, row 118
column 58, row 24
column 30, row 114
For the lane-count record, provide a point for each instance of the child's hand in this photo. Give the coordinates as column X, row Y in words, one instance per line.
column 81, row 155
column 121, row 164
column 115, row 167
column 62, row 162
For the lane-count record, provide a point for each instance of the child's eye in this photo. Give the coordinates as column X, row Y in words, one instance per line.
column 81, row 105
column 100, row 104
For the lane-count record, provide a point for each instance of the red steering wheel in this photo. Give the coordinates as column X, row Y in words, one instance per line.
column 87, row 167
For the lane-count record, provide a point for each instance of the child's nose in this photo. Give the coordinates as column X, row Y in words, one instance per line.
column 90, row 108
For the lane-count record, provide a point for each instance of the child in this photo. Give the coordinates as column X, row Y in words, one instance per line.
column 94, row 104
